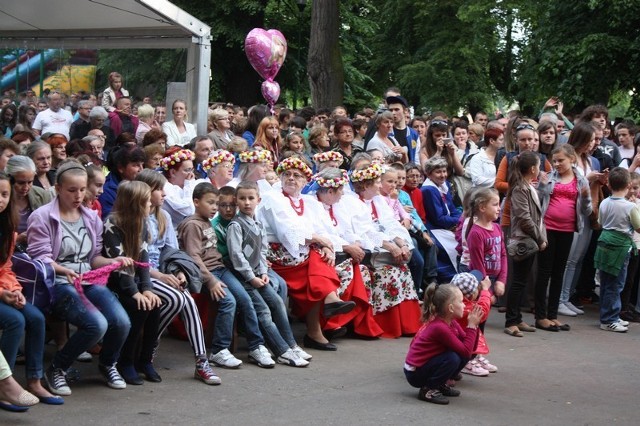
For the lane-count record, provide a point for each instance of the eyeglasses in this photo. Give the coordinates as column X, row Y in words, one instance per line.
column 187, row 171
column 226, row 206
column 294, row 175
column 225, row 165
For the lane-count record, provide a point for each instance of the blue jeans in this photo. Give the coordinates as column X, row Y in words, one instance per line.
column 13, row 323
column 272, row 317
column 236, row 295
column 278, row 283
column 109, row 322
column 578, row 250
column 610, row 288
column 436, row 371
column 416, row 266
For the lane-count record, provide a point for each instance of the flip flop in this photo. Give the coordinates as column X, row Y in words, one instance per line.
column 12, row 407
column 514, row 333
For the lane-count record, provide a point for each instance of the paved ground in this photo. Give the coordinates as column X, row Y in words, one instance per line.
column 582, row 377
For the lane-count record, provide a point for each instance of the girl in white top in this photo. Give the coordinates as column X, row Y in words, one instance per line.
column 178, row 131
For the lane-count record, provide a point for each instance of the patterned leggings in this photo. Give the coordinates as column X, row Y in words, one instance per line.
column 174, row 302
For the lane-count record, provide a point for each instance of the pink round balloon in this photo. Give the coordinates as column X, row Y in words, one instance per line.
column 266, row 50
column 270, row 91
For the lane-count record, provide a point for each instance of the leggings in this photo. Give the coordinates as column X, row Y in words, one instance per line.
column 551, row 265
column 174, row 302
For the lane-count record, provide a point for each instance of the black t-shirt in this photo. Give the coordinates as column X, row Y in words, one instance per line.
column 401, row 136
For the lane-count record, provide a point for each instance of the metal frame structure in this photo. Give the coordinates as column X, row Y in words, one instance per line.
column 114, row 24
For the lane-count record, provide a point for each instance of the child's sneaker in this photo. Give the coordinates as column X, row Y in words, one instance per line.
column 292, row 359
column 614, row 326
column 205, row 373
column 262, row 357
column 446, row 390
column 301, row 353
column 432, row 395
column 484, row 363
column 225, row 359
column 474, row 368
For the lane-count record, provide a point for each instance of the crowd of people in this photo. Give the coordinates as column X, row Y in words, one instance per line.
column 381, row 225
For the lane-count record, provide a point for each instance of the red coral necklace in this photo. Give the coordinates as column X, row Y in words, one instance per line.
column 299, row 209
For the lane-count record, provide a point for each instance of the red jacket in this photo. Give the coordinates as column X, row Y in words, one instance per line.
column 484, row 301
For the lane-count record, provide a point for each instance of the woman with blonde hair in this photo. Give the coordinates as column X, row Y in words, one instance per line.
column 178, row 131
column 221, row 134
column 146, row 114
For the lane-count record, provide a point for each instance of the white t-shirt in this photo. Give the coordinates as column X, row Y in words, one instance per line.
column 49, row 121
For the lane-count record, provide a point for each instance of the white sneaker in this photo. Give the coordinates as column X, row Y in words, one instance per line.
column 474, row 368
column 484, row 363
column 292, row 359
column 84, row 357
column 301, row 353
column 564, row 310
column 225, row 359
column 614, row 326
column 262, row 357
column 623, row 322
column 573, row 308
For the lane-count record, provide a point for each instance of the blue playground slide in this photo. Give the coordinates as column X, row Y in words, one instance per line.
column 29, row 70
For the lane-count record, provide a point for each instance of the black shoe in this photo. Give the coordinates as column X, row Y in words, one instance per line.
column 150, row 373
column 336, row 333
column 447, row 390
column 337, row 308
column 432, row 395
column 130, row 375
column 312, row 344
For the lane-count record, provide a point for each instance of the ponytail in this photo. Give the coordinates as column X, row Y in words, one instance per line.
column 436, row 298
column 519, row 166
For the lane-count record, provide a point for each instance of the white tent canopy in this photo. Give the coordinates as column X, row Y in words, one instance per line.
column 113, row 24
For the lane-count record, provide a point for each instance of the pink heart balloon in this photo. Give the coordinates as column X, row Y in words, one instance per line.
column 266, row 50
column 270, row 91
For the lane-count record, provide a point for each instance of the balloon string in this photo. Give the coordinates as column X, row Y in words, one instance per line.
column 99, row 276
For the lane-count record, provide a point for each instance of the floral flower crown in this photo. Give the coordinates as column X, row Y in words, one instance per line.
column 257, row 156
column 374, row 171
column 332, row 183
column 177, row 157
column 217, row 157
column 323, row 157
column 294, row 163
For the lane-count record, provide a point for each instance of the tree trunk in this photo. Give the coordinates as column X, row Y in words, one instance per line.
column 326, row 71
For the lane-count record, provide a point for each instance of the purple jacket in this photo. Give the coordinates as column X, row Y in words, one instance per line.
column 44, row 235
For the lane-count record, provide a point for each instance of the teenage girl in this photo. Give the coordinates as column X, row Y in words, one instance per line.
column 172, row 288
column 564, row 195
column 125, row 235
column 526, row 221
column 19, row 318
column 268, row 137
column 441, row 348
column 95, row 184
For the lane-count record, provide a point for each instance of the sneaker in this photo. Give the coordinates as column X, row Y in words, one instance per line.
column 432, row 395
column 225, row 359
column 301, row 353
column 574, row 308
column 114, row 379
column 84, row 357
column 205, row 373
column 484, row 363
column 446, row 390
column 564, row 310
column 623, row 322
column 262, row 357
column 474, row 368
column 56, row 381
column 614, row 326
column 292, row 359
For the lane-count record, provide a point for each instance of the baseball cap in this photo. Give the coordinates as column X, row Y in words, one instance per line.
column 397, row 100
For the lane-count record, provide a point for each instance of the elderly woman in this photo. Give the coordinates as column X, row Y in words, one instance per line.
column 254, row 166
column 97, row 117
column 58, row 144
column 40, row 153
column 177, row 167
column 319, row 139
column 442, row 215
column 385, row 142
column 345, row 133
column 302, row 252
column 27, row 197
column 221, row 134
column 219, row 167
column 370, row 219
column 145, row 115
